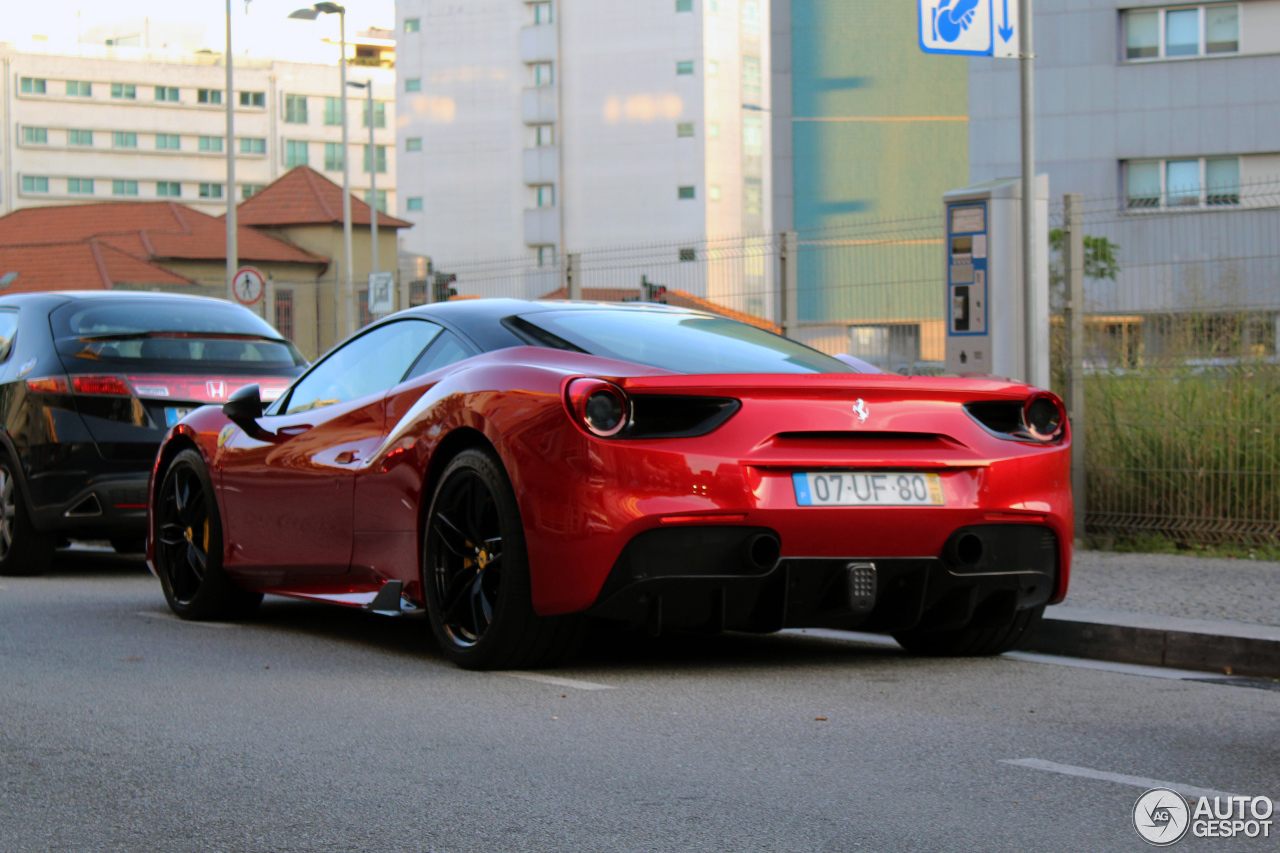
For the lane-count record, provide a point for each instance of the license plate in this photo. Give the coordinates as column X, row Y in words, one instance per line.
column 173, row 414
column 867, row 488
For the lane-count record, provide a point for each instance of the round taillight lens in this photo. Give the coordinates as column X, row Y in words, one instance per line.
column 1044, row 417
column 600, row 407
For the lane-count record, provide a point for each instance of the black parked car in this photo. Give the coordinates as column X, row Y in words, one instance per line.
column 89, row 383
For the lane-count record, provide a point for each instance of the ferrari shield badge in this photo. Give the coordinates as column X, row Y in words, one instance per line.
column 225, row 434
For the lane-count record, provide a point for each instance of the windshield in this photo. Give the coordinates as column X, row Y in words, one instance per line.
column 680, row 342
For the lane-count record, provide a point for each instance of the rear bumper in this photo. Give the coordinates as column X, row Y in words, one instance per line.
column 85, row 504
column 713, row 588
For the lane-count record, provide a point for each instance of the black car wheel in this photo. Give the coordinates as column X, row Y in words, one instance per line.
column 475, row 573
column 189, row 546
column 23, row 549
column 971, row 642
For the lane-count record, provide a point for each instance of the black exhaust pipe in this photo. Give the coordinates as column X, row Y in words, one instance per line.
column 969, row 549
column 761, row 552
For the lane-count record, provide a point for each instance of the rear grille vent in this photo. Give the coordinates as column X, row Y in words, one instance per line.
column 864, row 439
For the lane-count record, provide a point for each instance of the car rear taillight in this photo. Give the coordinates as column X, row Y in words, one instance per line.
column 1044, row 417
column 105, row 386
column 49, row 385
column 1040, row 418
column 598, row 406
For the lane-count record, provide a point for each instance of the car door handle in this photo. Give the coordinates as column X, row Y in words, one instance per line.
column 346, row 457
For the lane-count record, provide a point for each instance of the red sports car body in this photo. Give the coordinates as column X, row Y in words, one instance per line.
column 531, row 475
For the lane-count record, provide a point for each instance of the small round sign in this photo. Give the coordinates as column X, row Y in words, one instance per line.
column 248, row 285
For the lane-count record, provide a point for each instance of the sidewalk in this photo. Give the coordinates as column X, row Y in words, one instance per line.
column 1200, row 613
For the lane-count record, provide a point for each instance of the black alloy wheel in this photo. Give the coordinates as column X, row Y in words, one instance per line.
column 476, row 575
column 189, row 546
column 23, row 549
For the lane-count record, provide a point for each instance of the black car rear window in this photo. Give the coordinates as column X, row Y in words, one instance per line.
column 169, row 330
column 679, row 341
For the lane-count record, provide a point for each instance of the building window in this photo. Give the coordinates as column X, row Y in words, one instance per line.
column 684, row 128
column 713, row 192
column 688, row 254
column 169, row 189
column 128, row 91
column 379, row 114
column 284, row 313
column 167, row 93
column 413, row 84
column 546, row 256
column 541, row 12
column 253, row 145
column 250, row 190
column 544, row 195
column 79, row 89
column 295, row 153
column 752, row 86
column 382, row 158
column 333, row 156
column 32, row 85
column 381, row 205
column 412, row 25
column 209, row 143
column 168, row 141
column 543, row 73
column 80, row 186
column 124, row 139
column 32, row 184
column 333, row 112
column 684, row 5
column 750, row 16
column 35, row 135
column 124, row 187
column 253, row 99
column 685, row 193
column 752, row 135
column 752, row 197
column 208, row 96
column 79, row 137
column 684, row 67
column 413, row 143
column 211, row 191
column 295, row 109
column 544, row 135
column 1180, row 183
column 1181, row 32
column 713, row 130
column 413, row 203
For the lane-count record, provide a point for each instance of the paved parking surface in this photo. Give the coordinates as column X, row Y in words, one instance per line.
column 318, row 729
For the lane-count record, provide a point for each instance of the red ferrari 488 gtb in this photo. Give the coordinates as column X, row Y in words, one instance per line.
column 512, row 467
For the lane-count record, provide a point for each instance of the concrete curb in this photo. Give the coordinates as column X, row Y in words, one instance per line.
column 1197, row 644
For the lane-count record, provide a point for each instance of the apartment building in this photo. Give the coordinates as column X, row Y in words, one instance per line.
column 89, row 123
column 532, row 129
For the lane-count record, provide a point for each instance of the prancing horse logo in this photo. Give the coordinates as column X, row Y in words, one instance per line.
column 860, row 409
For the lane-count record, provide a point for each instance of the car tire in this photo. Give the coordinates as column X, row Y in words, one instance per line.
column 971, row 642
column 23, row 549
column 475, row 573
column 188, row 554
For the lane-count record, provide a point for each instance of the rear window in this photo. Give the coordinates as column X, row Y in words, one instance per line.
column 162, row 330
column 676, row 341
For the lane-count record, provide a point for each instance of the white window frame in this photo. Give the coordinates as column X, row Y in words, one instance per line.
column 1164, row 206
column 1161, row 11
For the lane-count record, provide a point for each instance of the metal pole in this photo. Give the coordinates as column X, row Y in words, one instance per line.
column 573, row 276
column 1027, row 82
column 1073, row 264
column 350, row 295
column 232, row 250
column 373, row 182
column 788, row 278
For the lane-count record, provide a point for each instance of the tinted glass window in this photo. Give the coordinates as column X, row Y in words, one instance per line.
column 444, row 351
column 366, row 365
column 684, row 343
column 8, row 328
column 117, row 316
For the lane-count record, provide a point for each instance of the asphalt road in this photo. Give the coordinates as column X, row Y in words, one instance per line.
column 318, row 729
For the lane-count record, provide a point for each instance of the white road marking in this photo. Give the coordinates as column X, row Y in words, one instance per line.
column 552, row 679
column 1189, row 791
column 1122, row 668
column 169, row 617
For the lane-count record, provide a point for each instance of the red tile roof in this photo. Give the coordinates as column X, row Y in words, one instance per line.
column 303, row 196
column 155, row 230
column 87, row 265
column 677, row 298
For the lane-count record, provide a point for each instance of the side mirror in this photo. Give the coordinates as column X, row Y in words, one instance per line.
column 244, row 407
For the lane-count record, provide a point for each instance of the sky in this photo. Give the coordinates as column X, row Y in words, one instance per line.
column 260, row 27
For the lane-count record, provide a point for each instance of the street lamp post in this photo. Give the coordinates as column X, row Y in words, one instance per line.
column 373, row 170
column 310, row 15
column 232, row 249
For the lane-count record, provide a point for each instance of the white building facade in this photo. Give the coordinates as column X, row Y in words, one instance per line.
column 90, row 123
column 532, row 129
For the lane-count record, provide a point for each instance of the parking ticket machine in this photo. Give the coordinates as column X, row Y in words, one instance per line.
column 985, row 320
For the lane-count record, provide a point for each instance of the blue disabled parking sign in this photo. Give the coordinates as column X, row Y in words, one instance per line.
column 969, row 27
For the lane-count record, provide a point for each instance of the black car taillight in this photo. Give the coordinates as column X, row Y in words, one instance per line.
column 101, row 386
column 1040, row 418
column 48, row 385
column 605, row 410
column 598, row 406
